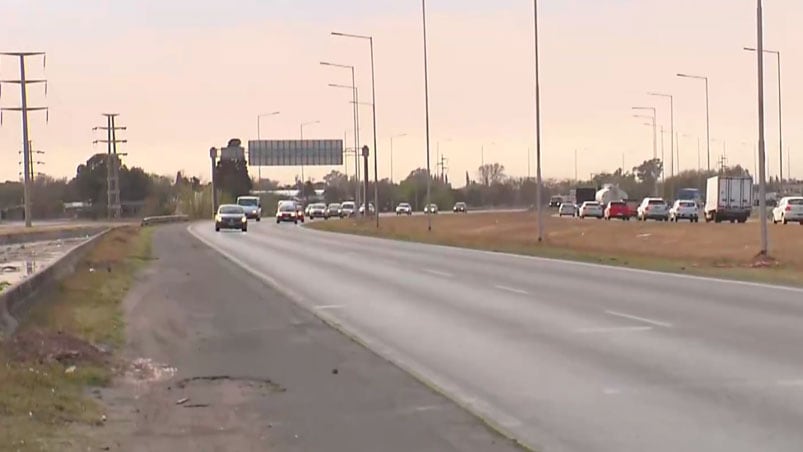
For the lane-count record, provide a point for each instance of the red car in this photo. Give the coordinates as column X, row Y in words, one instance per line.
column 617, row 209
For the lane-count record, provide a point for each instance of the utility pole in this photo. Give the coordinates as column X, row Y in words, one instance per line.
column 442, row 165
column 113, row 204
column 32, row 162
column 762, row 172
column 365, row 152
column 24, row 109
column 213, row 157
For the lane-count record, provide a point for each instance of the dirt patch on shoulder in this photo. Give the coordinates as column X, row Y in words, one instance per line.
column 45, row 347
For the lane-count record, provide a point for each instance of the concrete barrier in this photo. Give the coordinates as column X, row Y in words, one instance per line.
column 147, row 221
column 49, row 234
column 13, row 300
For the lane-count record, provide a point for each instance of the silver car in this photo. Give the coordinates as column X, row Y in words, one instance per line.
column 332, row 211
column 317, row 210
column 347, row 209
column 567, row 209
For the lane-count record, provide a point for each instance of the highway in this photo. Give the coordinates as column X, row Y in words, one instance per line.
column 562, row 356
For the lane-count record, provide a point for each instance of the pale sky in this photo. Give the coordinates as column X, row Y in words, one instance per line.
column 187, row 75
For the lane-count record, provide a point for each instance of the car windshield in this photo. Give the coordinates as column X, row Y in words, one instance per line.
column 404, row 205
column 248, row 201
column 617, row 204
column 592, row 204
column 334, row 206
column 460, row 204
column 319, row 206
column 687, row 204
column 287, row 208
column 228, row 210
column 348, row 205
column 657, row 202
column 795, row 202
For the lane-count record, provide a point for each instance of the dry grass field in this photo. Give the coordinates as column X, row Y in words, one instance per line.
column 725, row 250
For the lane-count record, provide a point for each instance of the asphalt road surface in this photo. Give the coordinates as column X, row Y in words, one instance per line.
column 563, row 356
column 223, row 362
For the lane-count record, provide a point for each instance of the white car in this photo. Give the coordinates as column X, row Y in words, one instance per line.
column 567, row 209
column 653, row 209
column 789, row 209
column 347, row 209
column 432, row 208
column 404, row 209
column 591, row 209
column 371, row 209
column 684, row 210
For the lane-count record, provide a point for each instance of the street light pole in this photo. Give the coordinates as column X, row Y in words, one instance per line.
column 426, row 113
column 654, row 138
column 355, row 99
column 538, row 206
column 780, row 113
column 707, row 116
column 762, row 176
column 370, row 40
column 302, row 139
column 259, row 137
column 672, row 128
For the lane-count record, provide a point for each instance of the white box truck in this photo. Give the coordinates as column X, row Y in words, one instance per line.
column 729, row 198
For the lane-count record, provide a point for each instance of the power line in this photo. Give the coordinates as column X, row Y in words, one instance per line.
column 24, row 109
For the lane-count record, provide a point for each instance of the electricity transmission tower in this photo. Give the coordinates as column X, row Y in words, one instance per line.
column 24, row 109
column 113, row 204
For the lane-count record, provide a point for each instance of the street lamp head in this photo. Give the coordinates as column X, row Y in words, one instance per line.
column 348, row 35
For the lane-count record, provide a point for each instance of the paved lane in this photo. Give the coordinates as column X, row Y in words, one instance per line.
column 564, row 356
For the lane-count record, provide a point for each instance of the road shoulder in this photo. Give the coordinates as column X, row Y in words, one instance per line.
column 224, row 362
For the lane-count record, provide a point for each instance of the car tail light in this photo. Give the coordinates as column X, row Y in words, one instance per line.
column 788, row 208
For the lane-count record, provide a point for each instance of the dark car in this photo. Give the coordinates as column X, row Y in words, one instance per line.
column 231, row 216
column 555, row 201
column 460, row 207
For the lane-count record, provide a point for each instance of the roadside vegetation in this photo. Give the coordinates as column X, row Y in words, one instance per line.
column 719, row 250
column 65, row 347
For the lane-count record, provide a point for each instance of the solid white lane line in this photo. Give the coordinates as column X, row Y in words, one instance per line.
column 639, row 319
column 438, row 273
column 621, row 329
column 513, row 290
column 330, row 306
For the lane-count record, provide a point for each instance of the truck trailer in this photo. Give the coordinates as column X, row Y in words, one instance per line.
column 729, row 198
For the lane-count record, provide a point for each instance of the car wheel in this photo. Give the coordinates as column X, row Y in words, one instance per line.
column 217, row 229
column 784, row 221
column 278, row 221
column 245, row 229
column 259, row 219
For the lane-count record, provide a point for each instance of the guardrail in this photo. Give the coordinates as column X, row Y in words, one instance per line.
column 163, row 219
column 13, row 299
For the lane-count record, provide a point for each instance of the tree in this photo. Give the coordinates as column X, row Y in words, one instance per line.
column 231, row 177
column 308, row 190
column 491, row 173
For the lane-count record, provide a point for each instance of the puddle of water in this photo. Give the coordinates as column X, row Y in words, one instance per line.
column 18, row 262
